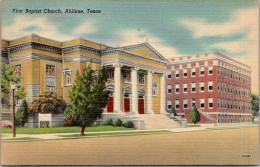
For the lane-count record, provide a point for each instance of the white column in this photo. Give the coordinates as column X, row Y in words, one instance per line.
column 117, row 96
column 150, row 92
column 163, row 96
column 134, row 90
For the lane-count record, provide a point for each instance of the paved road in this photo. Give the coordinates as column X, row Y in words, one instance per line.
column 186, row 148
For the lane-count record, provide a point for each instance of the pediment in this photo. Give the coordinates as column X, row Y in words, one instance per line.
column 145, row 50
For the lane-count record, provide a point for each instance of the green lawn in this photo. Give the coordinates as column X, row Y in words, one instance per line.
column 3, row 135
column 22, row 138
column 256, row 122
column 63, row 129
column 193, row 126
column 115, row 133
column 220, row 128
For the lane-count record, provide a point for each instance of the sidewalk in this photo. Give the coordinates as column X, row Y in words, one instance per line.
column 52, row 136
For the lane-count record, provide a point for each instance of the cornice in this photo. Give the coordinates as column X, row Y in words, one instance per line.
column 36, row 56
column 80, row 58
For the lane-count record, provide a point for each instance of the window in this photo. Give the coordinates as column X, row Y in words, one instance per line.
column 193, row 102
column 210, row 103
column 155, row 89
column 193, row 87
column 185, row 89
column 222, row 70
column 177, row 75
column 169, row 75
column 231, row 74
column 51, row 78
column 210, row 70
column 110, row 74
column 193, row 72
column 210, row 85
column 177, row 88
column 185, row 74
column 219, row 70
column 222, row 103
column 222, row 86
column 185, row 103
column 219, row 103
column 169, row 89
column 141, row 79
column 202, row 103
column 127, row 76
column 177, row 104
column 169, row 104
column 225, row 89
column 18, row 72
column 94, row 78
column 68, row 73
column 225, row 103
column 225, row 72
column 201, row 71
column 201, row 86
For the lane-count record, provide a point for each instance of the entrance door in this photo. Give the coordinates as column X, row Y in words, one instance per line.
column 127, row 104
column 141, row 106
column 110, row 104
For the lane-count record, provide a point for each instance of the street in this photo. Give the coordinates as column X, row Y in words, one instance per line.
column 212, row 147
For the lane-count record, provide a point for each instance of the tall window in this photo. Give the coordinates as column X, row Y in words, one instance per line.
column 177, row 88
column 201, row 86
column 210, row 103
column 169, row 74
column 185, row 73
column 202, row 103
column 169, row 104
column 68, row 74
column 177, row 104
column 193, row 87
column 51, row 78
column 193, row 72
column 177, row 74
column 110, row 74
column 210, row 85
column 127, row 76
column 169, row 89
column 201, row 71
column 185, row 89
column 185, row 103
column 193, row 102
column 155, row 89
column 210, row 70
column 141, row 79
column 18, row 72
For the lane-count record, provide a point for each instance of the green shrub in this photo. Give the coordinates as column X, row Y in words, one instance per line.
column 21, row 116
column 117, row 122
column 128, row 124
column 108, row 121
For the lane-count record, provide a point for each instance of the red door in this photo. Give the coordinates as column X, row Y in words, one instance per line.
column 141, row 106
column 127, row 104
column 110, row 104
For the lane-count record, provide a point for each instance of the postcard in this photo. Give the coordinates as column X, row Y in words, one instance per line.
column 119, row 82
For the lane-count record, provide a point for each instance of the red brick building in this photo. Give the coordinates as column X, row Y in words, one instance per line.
column 217, row 85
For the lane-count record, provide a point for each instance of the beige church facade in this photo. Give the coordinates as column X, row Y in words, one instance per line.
column 136, row 73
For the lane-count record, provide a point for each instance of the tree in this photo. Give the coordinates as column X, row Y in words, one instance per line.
column 173, row 111
column 22, row 114
column 8, row 76
column 194, row 115
column 255, row 106
column 87, row 100
column 47, row 102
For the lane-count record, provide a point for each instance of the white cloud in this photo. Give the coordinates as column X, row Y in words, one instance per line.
column 243, row 20
column 85, row 28
column 134, row 36
column 40, row 26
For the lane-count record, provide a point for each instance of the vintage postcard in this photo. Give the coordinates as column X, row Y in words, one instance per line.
column 119, row 82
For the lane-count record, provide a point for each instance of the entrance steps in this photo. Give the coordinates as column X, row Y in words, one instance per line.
column 158, row 121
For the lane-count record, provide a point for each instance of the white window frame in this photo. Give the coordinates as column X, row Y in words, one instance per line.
column 185, row 71
column 185, row 85
column 210, row 100
column 169, row 102
column 169, row 73
column 202, row 69
column 201, row 84
column 193, row 70
column 177, row 72
column 202, row 101
column 177, row 102
column 210, row 83
column 210, row 68
column 185, row 101
column 177, row 86
column 169, row 87
column 193, row 85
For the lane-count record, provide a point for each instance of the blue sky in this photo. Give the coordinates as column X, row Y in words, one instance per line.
column 174, row 28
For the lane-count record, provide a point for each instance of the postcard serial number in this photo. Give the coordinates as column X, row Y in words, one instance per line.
column 68, row 11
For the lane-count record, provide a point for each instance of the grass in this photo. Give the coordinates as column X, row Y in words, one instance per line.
column 22, row 138
column 63, row 129
column 114, row 133
column 193, row 126
column 3, row 135
column 256, row 122
column 219, row 128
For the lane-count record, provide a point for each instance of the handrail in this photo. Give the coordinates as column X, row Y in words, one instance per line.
column 206, row 115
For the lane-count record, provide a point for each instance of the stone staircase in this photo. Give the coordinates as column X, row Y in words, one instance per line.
column 158, row 121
